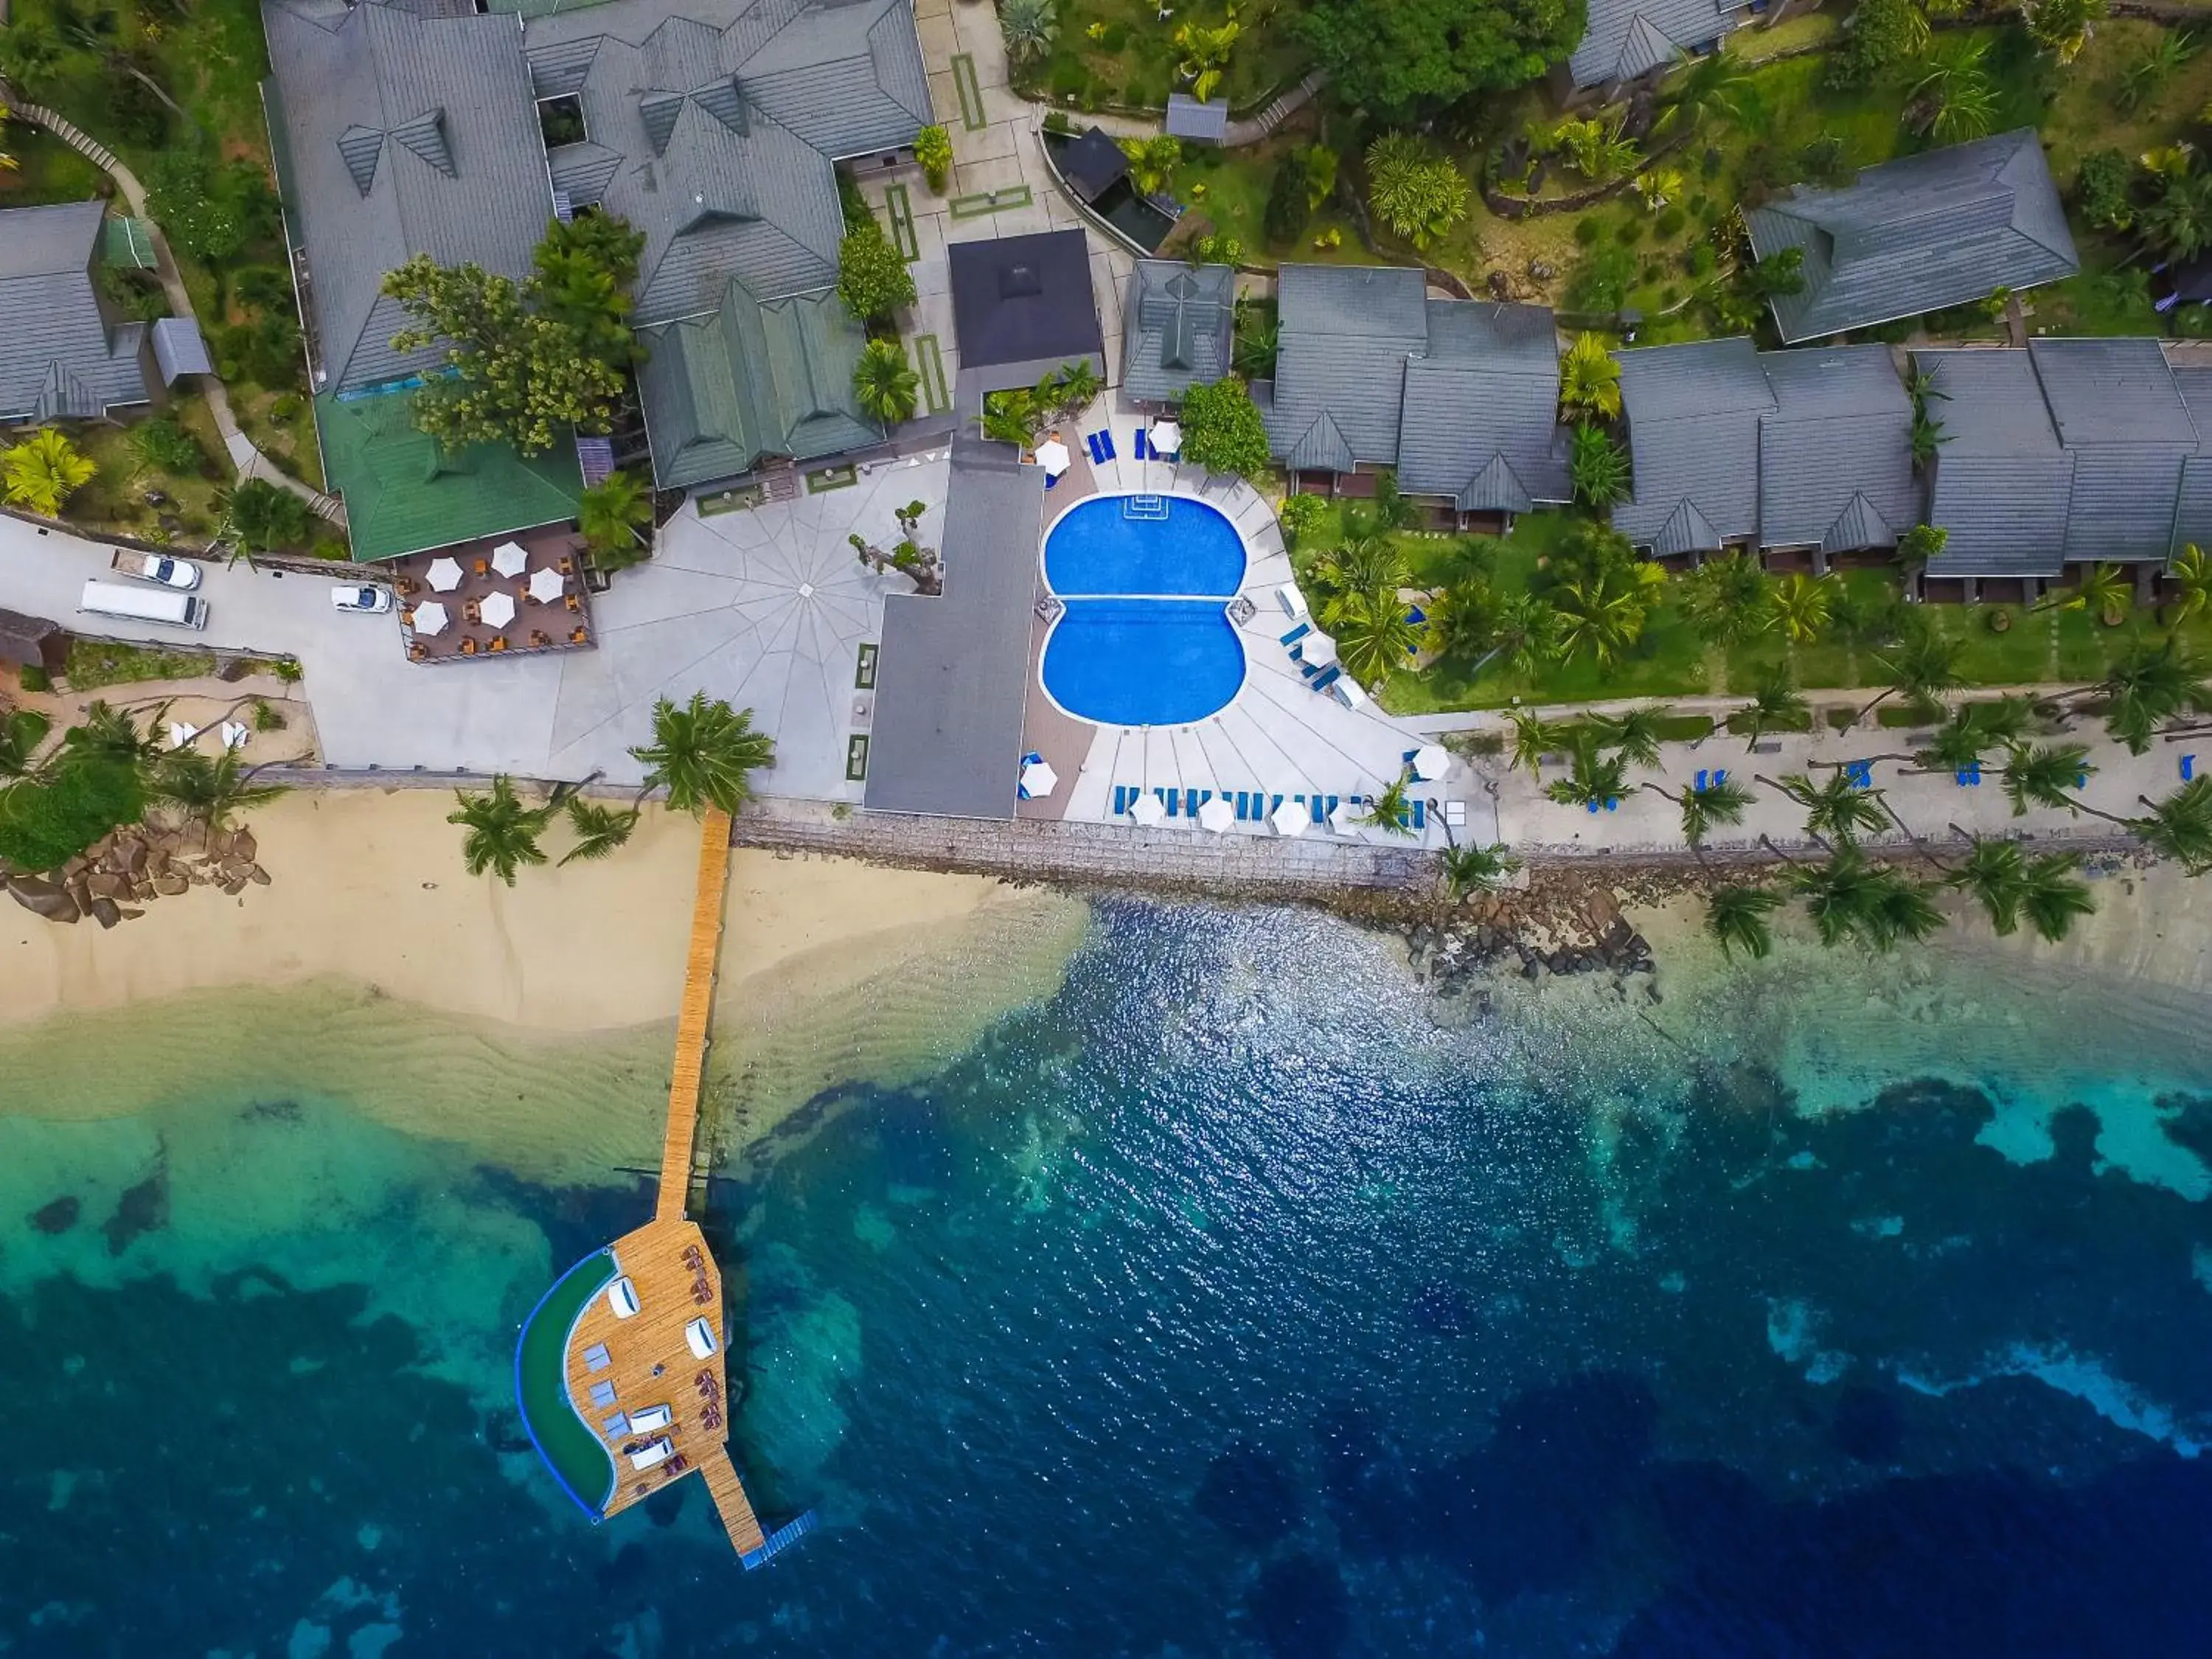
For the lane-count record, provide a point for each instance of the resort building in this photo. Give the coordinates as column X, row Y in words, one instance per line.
column 62, row 358
column 1627, row 39
column 1946, row 228
column 1459, row 396
column 2064, row 452
column 718, row 134
column 1178, row 330
column 1023, row 307
column 1802, row 455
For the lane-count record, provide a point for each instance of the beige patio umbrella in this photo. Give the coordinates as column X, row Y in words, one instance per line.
column 444, row 574
column 1167, row 437
column 1431, row 762
column 1148, row 810
column 498, row 610
column 509, row 559
column 1291, row 818
column 1052, row 455
column 1216, row 815
column 546, row 584
column 1038, row 779
column 430, row 619
column 1345, row 819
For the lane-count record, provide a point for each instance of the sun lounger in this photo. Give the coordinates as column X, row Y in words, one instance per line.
column 1173, row 798
column 651, row 1419
column 1106, row 443
column 615, row 1426
column 2188, row 768
column 1420, row 816
column 1701, row 778
column 595, row 1358
column 1091, row 443
column 603, row 1394
column 1328, row 677
column 1140, row 444
column 1970, row 776
column 1861, row 773
column 1298, row 634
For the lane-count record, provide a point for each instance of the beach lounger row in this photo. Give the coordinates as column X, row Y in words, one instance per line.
column 1256, row 805
column 1713, row 779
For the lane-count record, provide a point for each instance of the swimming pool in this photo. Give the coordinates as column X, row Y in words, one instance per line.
column 1142, row 640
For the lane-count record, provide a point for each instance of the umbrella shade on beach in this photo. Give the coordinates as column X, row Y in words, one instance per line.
column 1291, row 818
column 1039, row 779
column 234, row 734
column 509, row 559
column 181, row 736
column 1052, row 455
column 444, row 574
column 430, row 619
column 1216, row 815
column 1167, row 437
column 1318, row 649
column 1431, row 762
column 546, row 584
column 497, row 610
column 1345, row 819
column 1147, row 810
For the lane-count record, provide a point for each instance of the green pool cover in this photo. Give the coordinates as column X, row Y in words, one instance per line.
column 579, row 1462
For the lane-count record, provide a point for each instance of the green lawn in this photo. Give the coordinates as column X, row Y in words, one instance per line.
column 46, row 170
column 1119, row 52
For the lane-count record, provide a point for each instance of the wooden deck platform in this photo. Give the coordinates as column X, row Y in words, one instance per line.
column 697, row 1014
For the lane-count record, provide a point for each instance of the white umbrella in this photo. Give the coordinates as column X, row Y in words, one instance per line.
column 509, row 559
column 1167, row 437
column 1291, row 818
column 430, row 618
column 1317, row 649
column 1052, row 455
column 546, row 584
column 1148, row 810
column 1431, row 762
column 1216, row 815
column 234, row 734
column 1344, row 819
column 1039, row 779
column 181, row 736
column 497, row 610
column 444, row 574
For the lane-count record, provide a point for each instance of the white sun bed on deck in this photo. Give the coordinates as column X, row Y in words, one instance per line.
column 622, row 1299
column 651, row 1456
column 699, row 1337
column 651, row 1419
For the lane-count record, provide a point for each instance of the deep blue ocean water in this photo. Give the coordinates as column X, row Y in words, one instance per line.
column 1232, row 1302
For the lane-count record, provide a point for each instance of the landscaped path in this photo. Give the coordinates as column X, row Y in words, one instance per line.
column 246, row 460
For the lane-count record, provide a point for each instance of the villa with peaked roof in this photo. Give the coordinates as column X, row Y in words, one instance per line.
column 61, row 359
column 1802, row 452
column 1626, row 40
column 1459, row 396
column 402, row 130
column 1178, row 327
column 2067, row 452
column 1920, row 234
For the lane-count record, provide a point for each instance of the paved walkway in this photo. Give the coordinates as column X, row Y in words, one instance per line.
column 245, row 460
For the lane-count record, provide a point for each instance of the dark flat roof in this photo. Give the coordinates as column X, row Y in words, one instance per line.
column 955, row 668
column 1093, row 162
column 1016, row 299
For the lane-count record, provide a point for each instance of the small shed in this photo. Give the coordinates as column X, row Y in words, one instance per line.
column 1092, row 164
column 179, row 350
column 1202, row 123
column 32, row 643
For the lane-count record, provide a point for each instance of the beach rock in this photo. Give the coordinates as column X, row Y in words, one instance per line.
column 131, row 914
column 243, row 845
column 105, row 911
column 170, row 885
column 232, row 889
column 104, row 884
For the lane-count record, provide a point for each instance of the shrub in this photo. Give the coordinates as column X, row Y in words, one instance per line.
column 1069, row 79
column 1056, row 121
column 265, row 518
column 932, row 149
column 162, row 443
column 266, row 717
column 1601, row 278
column 1588, row 230
column 35, row 678
column 1701, row 204
column 1113, row 37
column 2102, row 189
column 1629, row 232
column 1298, row 514
column 1288, row 205
column 873, row 280
column 1703, row 260
column 1670, row 220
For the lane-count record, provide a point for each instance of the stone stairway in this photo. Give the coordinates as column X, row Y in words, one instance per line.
column 1260, row 125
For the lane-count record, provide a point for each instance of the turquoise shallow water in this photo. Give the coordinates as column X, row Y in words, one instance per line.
column 1243, row 1298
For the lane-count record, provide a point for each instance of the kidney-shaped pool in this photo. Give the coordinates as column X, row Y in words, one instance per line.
column 1143, row 639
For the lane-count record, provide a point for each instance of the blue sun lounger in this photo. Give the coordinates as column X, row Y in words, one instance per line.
column 1861, row 773
column 1327, row 678
column 1106, row 443
column 1140, row 445
column 1298, row 634
column 1700, row 783
column 1970, row 776
column 2188, row 768
column 1091, row 443
column 1172, row 797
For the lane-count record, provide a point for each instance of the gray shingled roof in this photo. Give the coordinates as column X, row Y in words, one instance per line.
column 1480, row 416
column 1628, row 38
column 1346, row 332
column 1918, row 233
column 954, row 673
column 401, row 135
column 59, row 358
column 1693, row 413
column 1177, row 328
column 2002, row 480
column 1205, row 123
column 1835, row 458
column 2116, row 408
column 2192, row 520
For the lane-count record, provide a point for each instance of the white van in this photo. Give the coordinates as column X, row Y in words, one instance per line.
column 699, row 1336
column 651, row 1456
column 152, row 604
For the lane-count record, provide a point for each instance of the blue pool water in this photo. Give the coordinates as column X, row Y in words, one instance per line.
column 1096, row 548
column 1144, row 642
column 1143, row 662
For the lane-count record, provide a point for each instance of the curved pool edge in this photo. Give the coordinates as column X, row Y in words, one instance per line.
column 1244, row 545
column 605, row 1255
column 1244, row 671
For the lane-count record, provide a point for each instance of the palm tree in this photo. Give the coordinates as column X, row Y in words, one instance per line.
column 1801, row 605
column 1077, row 386
column 1028, row 27
column 2105, row 590
column 704, row 754
column 1838, row 810
column 1391, row 810
column 1962, row 99
column 2180, row 826
column 1593, row 780
column 1603, row 612
column 2062, row 27
column 1848, row 898
column 43, row 471
column 1533, row 739
column 2178, row 219
column 1727, row 599
column 1597, row 467
column 211, row 789
column 1257, row 342
column 2054, row 896
column 2149, row 685
column 1736, row 916
column 1477, row 869
column 614, row 513
column 2191, row 575
column 1722, row 801
column 1958, row 743
column 22, row 732
column 106, row 732
column 1526, row 634
column 502, row 833
column 1634, row 732
column 1589, row 380
column 882, row 383
column 1995, row 874
column 1921, row 668
column 2046, row 774
column 1365, row 565
column 1775, row 706
column 1374, row 634
column 1711, row 88
column 599, row 829
column 1011, row 417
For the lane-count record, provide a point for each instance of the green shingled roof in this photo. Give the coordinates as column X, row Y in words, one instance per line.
column 404, row 493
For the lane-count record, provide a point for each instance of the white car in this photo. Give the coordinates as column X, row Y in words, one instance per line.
column 347, row 597
column 157, row 568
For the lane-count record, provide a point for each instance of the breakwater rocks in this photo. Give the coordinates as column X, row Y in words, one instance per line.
column 1492, row 937
column 119, row 875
